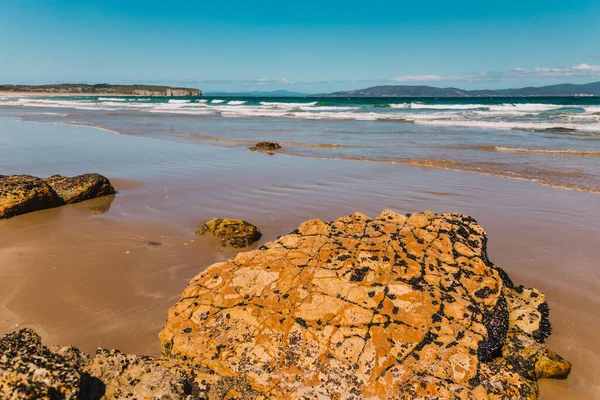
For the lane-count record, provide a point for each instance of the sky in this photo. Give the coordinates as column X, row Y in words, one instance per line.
column 307, row 46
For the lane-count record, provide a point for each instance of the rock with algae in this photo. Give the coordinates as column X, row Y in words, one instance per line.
column 20, row 194
column 81, row 187
column 232, row 232
column 30, row 370
column 265, row 146
column 397, row 307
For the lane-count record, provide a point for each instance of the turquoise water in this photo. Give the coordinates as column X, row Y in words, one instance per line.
column 553, row 141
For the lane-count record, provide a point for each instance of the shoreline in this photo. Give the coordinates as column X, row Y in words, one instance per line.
column 90, row 292
column 417, row 163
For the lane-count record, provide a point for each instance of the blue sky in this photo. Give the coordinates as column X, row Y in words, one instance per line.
column 308, row 46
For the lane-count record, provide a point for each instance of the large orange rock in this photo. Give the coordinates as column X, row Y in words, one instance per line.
column 398, row 307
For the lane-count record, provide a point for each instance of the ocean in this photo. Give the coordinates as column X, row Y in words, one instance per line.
column 554, row 141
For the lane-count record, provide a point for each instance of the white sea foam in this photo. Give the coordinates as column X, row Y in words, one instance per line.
column 329, row 108
column 590, row 153
column 508, row 124
column 110, row 99
column 514, row 107
column 501, row 116
column 287, row 105
column 176, row 101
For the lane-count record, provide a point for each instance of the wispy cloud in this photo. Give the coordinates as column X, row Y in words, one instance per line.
column 594, row 56
column 577, row 70
column 580, row 70
column 434, row 78
column 423, row 78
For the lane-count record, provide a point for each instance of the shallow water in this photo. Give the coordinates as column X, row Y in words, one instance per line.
column 85, row 275
column 552, row 141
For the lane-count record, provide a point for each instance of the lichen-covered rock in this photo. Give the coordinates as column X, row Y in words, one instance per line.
column 81, row 187
column 30, row 370
column 133, row 377
column 20, row 194
column 398, row 307
column 232, row 232
column 265, row 146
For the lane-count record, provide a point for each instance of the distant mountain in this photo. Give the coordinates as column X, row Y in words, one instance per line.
column 275, row 93
column 567, row 89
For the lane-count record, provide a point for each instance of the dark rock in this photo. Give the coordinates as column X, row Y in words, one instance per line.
column 81, row 187
column 30, row 370
column 232, row 232
column 265, row 146
column 20, row 194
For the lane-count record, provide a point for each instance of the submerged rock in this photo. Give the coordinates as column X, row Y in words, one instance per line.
column 265, row 146
column 398, row 307
column 20, row 194
column 232, row 232
column 81, row 187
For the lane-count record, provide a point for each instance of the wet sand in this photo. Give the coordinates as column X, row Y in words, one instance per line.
column 85, row 275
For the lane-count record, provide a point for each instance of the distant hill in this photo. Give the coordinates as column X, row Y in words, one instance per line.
column 103, row 89
column 275, row 93
column 567, row 89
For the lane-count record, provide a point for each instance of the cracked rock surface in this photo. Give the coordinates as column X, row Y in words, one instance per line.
column 397, row 307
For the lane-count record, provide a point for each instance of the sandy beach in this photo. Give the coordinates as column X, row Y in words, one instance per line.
column 85, row 274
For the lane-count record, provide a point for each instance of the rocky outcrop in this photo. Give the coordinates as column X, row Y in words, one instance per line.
column 231, row 232
column 20, row 194
column 265, row 146
column 123, row 376
column 398, row 307
column 168, row 92
column 105, row 89
column 30, row 370
column 80, row 188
